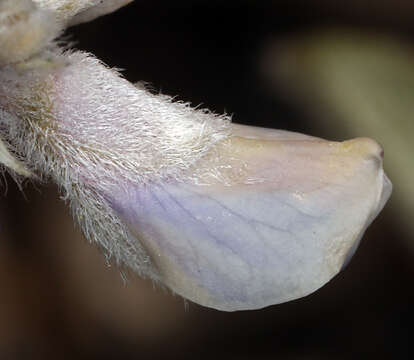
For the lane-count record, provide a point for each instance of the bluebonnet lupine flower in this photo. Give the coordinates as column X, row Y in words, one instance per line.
column 228, row 216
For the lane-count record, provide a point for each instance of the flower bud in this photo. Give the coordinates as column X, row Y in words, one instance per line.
column 228, row 216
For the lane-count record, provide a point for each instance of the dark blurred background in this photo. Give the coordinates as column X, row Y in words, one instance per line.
column 59, row 299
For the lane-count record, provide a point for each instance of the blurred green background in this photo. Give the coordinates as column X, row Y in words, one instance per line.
column 334, row 69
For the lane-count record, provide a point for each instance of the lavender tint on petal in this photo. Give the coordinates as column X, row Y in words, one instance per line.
column 254, row 245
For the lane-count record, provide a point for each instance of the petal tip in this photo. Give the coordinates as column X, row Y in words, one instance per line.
column 365, row 147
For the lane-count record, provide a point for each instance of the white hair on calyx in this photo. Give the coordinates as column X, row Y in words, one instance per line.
column 93, row 132
column 68, row 117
